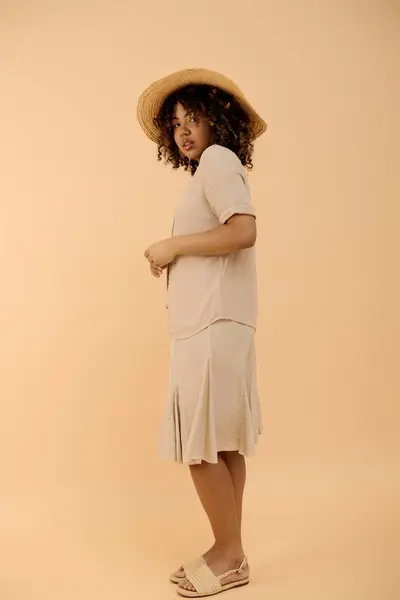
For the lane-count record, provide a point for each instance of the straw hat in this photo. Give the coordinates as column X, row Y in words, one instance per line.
column 152, row 99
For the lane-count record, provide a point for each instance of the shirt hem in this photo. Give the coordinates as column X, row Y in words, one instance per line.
column 203, row 327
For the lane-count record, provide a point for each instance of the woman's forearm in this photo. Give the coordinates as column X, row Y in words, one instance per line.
column 238, row 234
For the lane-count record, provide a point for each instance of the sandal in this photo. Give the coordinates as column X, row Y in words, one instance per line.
column 206, row 583
column 178, row 576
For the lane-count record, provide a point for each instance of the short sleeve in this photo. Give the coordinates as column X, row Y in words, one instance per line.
column 225, row 184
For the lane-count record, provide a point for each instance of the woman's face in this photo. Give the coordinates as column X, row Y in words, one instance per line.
column 192, row 134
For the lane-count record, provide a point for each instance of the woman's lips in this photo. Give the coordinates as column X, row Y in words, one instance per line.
column 188, row 146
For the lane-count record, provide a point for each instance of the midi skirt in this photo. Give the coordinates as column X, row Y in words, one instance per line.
column 212, row 403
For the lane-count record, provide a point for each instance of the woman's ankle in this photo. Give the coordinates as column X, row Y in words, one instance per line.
column 232, row 548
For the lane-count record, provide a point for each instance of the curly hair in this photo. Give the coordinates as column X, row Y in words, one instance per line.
column 231, row 126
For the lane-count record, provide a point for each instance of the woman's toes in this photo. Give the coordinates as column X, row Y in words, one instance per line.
column 186, row 585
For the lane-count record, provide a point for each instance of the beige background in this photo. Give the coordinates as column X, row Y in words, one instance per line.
column 87, row 510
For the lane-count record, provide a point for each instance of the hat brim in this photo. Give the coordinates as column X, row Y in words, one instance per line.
column 152, row 99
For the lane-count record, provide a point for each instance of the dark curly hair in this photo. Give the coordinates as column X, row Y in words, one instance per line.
column 231, row 126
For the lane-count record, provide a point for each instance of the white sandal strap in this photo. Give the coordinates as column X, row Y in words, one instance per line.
column 235, row 571
column 202, row 578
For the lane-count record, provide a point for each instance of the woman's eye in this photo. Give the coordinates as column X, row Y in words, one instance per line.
column 175, row 125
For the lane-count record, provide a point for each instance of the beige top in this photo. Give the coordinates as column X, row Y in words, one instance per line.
column 204, row 289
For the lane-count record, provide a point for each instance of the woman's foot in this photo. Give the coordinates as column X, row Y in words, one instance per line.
column 221, row 561
column 180, row 573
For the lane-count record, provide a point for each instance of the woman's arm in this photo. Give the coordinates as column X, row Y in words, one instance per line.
column 238, row 233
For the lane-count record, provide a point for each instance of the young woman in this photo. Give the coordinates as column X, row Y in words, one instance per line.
column 202, row 122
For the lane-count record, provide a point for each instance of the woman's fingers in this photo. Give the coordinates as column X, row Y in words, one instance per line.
column 155, row 270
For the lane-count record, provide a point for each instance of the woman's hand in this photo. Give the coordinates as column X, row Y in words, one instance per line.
column 155, row 270
column 162, row 253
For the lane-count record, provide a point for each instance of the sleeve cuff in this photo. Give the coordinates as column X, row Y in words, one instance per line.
column 236, row 210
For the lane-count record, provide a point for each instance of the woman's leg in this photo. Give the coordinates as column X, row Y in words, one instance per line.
column 213, row 483
column 236, row 465
column 237, row 468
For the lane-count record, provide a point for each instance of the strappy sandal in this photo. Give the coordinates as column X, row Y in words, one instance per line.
column 206, row 583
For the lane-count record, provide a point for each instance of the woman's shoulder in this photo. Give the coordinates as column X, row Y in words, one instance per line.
column 217, row 156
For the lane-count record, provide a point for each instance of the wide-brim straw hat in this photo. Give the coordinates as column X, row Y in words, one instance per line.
column 152, row 99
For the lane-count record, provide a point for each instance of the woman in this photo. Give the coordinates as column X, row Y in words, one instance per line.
column 201, row 122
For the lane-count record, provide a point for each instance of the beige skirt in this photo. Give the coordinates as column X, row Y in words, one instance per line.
column 212, row 403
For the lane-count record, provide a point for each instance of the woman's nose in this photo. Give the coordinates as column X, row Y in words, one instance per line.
column 185, row 130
